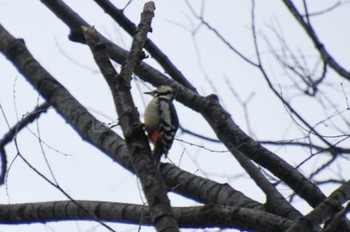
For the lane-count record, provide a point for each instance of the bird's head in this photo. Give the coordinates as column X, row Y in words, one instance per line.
column 163, row 91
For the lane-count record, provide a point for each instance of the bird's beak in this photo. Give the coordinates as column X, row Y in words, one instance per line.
column 150, row 93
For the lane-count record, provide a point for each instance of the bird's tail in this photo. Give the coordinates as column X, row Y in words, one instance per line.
column 157, row 154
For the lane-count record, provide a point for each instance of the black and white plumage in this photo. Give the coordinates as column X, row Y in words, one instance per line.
column 161, row 121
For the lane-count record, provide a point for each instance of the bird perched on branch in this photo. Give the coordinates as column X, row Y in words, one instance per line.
column 161, row 121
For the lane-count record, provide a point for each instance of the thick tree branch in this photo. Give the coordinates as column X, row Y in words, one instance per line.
column 156, row 53
column 129, row 119
column 86, row 125
column 227, row 131
column 134, row 154
column 221, row 122
column 324, row 211
column 94, row 132
column 334, row 222
column 188, row 217
column 204, row 190
column 275, row 203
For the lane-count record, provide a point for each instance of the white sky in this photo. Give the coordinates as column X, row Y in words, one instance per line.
column 83, row 171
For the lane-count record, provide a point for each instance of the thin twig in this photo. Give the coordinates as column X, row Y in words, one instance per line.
column 29, row 118
column 326, row 56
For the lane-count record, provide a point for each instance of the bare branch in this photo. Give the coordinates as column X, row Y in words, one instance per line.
column 29, row 118
column 87, row 126
column 96, row 133
column 221, row 37
column 326, row 56
column 119, row 16
column 320, row 149
column 337, row 4
column 153, row 186
column 188, row 217
column 324, row 211
column 226, row 130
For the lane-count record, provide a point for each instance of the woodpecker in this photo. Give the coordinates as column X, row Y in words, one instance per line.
column 161, row 121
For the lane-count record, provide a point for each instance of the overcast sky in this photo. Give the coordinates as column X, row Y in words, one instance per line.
column 83, row 171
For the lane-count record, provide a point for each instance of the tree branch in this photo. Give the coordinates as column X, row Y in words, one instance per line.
column 29, row 118
column 86, row 125
column 219, row 119
column 129, row 119
column 13, row 131
column 326, row 56
column 188, row 217
column 275, row 202
column 119, row 16
column 100, row 136
column 324, row 211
